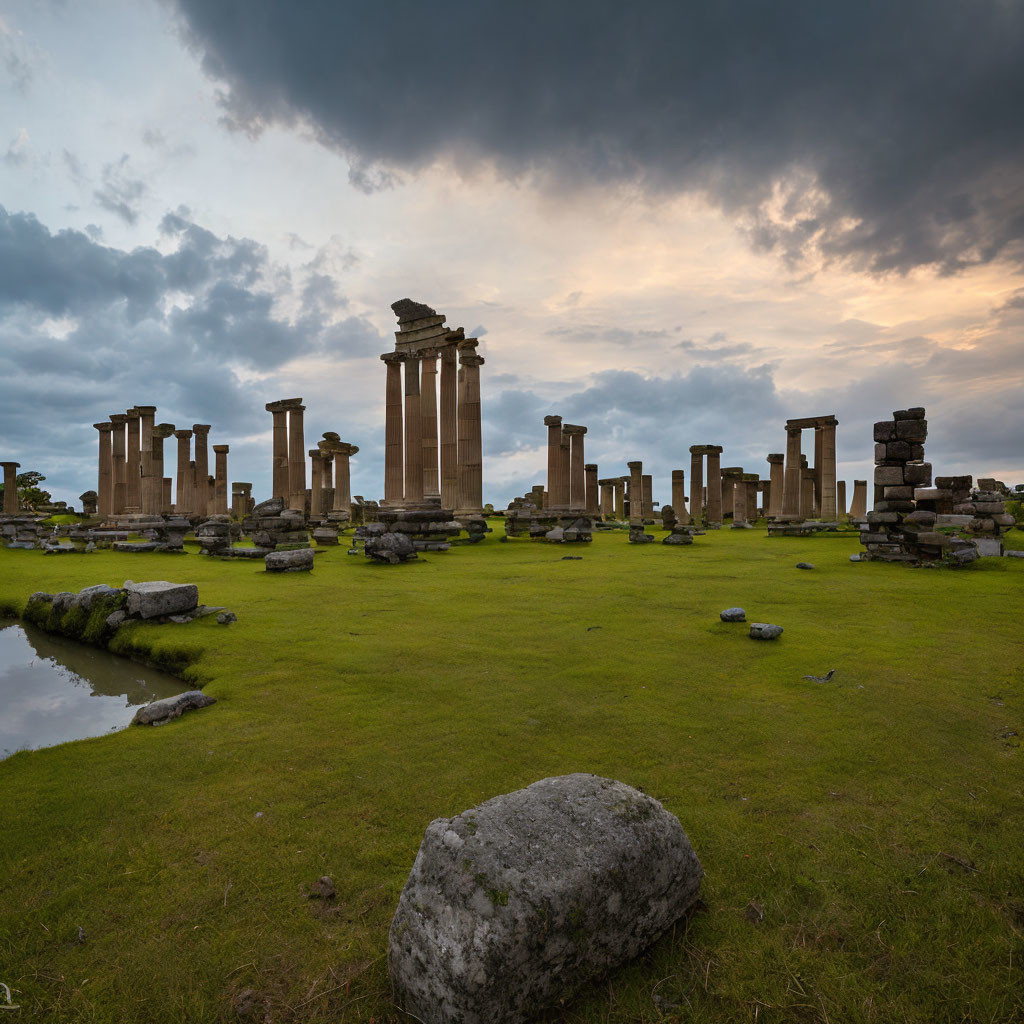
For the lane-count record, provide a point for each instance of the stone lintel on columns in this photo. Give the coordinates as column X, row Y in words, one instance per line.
column 750, row 477
column 572, row 428
column 285, row 404
column 809, row 422
column 706, row 449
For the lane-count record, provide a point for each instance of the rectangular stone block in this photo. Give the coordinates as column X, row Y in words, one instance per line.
column 899, row 492
column 917, row 413
column 881, row 451
column 989, row 508
column 888, row 476
column 158, row 597
column 896, row 505
column 918, row 473
column 885, row 430
column 912, row 430
column 898, row 450
column 954, row 483
column 934, row 540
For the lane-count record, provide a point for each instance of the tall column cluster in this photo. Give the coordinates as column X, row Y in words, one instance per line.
column 432, row 429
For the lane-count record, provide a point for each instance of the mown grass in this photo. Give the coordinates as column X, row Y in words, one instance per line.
column 876, row 820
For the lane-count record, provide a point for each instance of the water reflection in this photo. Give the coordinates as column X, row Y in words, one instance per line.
column 53, row 690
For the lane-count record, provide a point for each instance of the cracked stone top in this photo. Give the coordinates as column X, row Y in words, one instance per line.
column 406, row 310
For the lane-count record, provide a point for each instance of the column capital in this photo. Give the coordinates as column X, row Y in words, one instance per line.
column 118, row 419
column 104, row 426
column 284, row 404
column 573, row 428
column 11, row 465
column 590, row 467
column 634, row 465
column 470, row 358
column 182, row 434
column 330, row 435
column 222, row 449
column 777, row 458
column 552, row 421
column 392, row 358
column 146, row 410
column 200, row 428
column 134, row 414
column 163, row 430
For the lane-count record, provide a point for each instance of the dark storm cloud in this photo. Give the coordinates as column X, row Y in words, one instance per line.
column 89, row 329
column 890, row 133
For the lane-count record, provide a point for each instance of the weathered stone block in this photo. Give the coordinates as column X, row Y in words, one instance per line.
column 300, row 560
column 888, row 476
column 733, row 615
column 918, row 473
column 90, row 595
column 514, row 905
column 912, row 430
column 901, row 492
column 162, row 711
column 158, row 597
column 885, row 430
column 765, row 631
column 917, row 413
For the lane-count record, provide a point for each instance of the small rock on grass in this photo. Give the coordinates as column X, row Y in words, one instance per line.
column 804, row 565
column 224, row 618
column 733, row 615
column 323, row 889
column 765, row 631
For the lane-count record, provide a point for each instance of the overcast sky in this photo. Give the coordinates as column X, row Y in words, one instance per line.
column 675, row 223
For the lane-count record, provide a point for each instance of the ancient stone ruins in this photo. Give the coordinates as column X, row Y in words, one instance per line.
column 433, row 483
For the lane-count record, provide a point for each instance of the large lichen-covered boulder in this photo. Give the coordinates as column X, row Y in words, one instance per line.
column 514, row 905
column 159, row 712
column 300, row 560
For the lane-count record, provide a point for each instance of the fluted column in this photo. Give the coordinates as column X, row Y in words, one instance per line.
column 394, row 482
column 577, row 474
column 714, row 453
column 449, row 427
column 679, row 497
column 636, row 491
column 182, row 494
column 696, row 482
column 10, row 487
column 471, row 480
column 792, row 478
column 201, row 502
column 296, row 458
column 620, row 498
column 220, row 479
column 161, row 487
column 119, row 470
column 281, row 483
column 591, row 501
column 104, row 481
column 133, row 463
column 413, row 431
column 147, row 499
column 554, row 425
column 827, row 470
column 316, row 482
column 777, row 487
column 428, row 414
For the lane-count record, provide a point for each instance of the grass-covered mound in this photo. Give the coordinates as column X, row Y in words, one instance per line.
column 875, row 820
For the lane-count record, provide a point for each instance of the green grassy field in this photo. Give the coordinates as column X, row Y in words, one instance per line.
column 877, row 820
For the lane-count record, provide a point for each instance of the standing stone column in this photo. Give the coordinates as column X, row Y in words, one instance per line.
column 696, row 482
column 792, row 479
column 449, row 427
column 182, row 495
column 119, row 470
column 859, row 504
column 620, row 498
column 104, row 482
column 149, row 501
column 841, row 500
column 413, row 431
column 201, row 432
column 679, row 497
column 607, row 498
column 565, row 469
column 220, row 479
column 161, row 486
column 471, row 480
column 775, row 491
column 636, row 492
column 316, row 482
column 133, row 464
column 554, row 425
column 296, row 458
column 11, row 487
column 428, row 410
column 819, row 440
column 577, row 474
column 752, row 482
column 730, row 474
column 806, row 492
column 394, row 482
column 591, row 502
column 281, row 485
column 342, row 481
column 648, row 485
column 714, row 453
column 826, row 469
column 739, row 498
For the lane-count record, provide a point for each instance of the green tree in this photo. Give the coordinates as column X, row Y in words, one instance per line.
column 29, row 493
